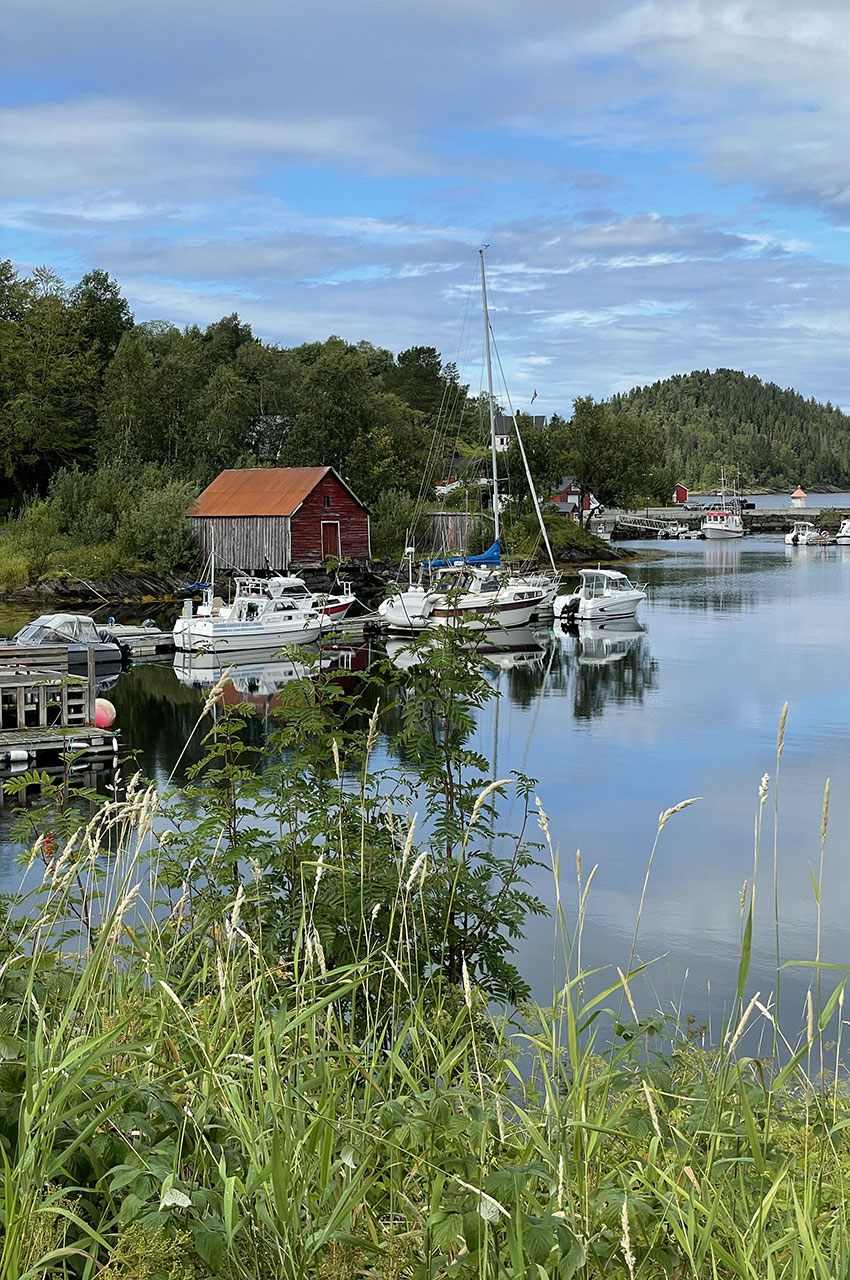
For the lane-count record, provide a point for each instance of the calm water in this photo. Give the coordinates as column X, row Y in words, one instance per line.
column 618, row 727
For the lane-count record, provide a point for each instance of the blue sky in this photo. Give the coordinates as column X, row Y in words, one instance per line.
column 663, row 185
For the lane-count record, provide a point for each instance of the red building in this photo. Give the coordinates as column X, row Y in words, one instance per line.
column 279, row 517
column 680, row 495
column 569, row 497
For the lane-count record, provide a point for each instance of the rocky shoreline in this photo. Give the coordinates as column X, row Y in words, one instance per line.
column 370, row 582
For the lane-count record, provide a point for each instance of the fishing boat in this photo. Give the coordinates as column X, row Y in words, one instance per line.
column 723, row 519
column 804, row 534
column 601, row 594
column 263, row 616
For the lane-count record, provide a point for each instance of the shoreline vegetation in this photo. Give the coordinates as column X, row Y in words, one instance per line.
column 251, row 1028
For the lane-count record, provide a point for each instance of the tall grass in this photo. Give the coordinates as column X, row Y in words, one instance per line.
column 177, row 1100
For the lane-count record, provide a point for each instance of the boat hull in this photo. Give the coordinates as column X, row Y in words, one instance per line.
column 716, row 533
column 192, row 634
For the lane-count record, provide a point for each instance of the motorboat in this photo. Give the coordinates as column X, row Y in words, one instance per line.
column 843, row 535
column 601, row 594
column 722, row 521
column 77, row 633
column 805, row 534
column 262, row 617
column 467, row 595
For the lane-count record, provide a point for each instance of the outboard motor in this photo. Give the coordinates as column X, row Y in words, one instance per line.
column 124, row 650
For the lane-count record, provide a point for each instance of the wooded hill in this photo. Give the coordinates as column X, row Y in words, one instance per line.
column 726, row 419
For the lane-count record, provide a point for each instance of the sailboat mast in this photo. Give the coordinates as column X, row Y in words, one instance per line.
column 493, row 458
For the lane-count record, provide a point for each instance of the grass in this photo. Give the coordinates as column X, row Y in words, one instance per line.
column 177, row 1100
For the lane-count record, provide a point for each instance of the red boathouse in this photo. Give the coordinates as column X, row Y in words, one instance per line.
column 279, row 518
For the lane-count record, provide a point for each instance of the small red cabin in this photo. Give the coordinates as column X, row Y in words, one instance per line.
column 279, row 517
column 680, row 495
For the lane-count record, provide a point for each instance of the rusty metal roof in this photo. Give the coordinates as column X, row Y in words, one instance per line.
column 261, row 491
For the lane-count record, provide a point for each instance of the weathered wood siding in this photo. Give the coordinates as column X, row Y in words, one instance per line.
column 248, row 543
column 344, row 507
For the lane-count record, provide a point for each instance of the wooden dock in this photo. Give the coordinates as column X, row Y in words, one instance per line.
column 47, row 716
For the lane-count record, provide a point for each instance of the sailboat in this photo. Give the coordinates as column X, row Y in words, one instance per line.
column 475, row 590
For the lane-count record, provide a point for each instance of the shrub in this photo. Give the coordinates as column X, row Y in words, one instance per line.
column 14, row 568
column 156, row 533
column 397, row 520
column 37, row 533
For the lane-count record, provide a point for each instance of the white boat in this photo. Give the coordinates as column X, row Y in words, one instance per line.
column 78, row 634
column 723, row 518
column 843, row 535
column 805, row 534
column 263, row 617
column 601, row 594
column 473, row 595
column 722, row 522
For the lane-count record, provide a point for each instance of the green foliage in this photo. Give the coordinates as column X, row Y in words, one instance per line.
column 156, row 532
column 565, row 536
column 613, row 455
column 205, row 1072
column 711, row 421
column 397, row 522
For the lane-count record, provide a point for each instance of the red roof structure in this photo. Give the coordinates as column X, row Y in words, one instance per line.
column 274, row 517
column 260, row 491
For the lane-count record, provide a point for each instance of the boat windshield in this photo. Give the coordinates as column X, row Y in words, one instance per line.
column 59, row 629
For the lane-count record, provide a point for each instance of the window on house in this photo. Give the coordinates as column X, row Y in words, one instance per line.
column 327, row 500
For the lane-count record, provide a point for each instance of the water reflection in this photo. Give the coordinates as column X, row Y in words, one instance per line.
column 619, row 723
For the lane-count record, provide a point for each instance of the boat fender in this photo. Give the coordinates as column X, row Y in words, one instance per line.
column 18, row 756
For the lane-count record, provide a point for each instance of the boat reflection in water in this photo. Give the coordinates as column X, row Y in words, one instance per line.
column 507, row 649
column 600, row 644
column 260, row 682
column 612, row 664
column 721, row 557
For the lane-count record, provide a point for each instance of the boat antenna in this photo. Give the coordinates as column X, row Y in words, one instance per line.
column 493, row 458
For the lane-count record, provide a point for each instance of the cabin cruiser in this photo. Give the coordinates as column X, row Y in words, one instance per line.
column 805, row 534
column 469, row 596
column 601, row 594
column 473, row 591
column 843, row 535
column 264, row 616
column 77, row 633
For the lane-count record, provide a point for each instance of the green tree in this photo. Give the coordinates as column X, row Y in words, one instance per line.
column 611, row 455
column 102, row 313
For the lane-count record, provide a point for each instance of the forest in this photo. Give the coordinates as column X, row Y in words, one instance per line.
column 109, row 428
column 771, row 438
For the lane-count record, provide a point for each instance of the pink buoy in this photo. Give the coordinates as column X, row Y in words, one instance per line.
column 104, row 713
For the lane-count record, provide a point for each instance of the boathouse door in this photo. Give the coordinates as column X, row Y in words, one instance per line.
column 330, row 539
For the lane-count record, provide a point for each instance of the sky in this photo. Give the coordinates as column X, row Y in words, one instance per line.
column 663, row 186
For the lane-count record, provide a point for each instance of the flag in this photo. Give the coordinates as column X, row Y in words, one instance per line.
column 534, row 397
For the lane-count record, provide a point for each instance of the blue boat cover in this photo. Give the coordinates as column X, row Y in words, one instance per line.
column 492, row 556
